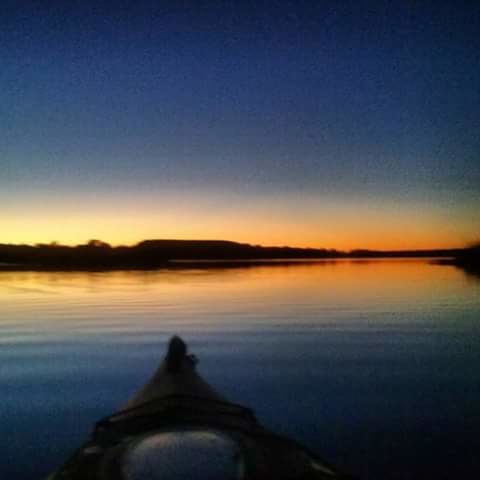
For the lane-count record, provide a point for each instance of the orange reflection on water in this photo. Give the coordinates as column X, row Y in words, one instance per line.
column 213, row 297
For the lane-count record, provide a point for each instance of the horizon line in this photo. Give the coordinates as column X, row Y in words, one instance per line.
column 257, row 245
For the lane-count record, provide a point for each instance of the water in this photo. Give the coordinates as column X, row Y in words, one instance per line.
column 375, row 365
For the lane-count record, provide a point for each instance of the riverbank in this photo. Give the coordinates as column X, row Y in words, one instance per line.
column 152, row 254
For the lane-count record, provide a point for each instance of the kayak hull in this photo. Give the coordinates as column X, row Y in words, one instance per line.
column 177, row 426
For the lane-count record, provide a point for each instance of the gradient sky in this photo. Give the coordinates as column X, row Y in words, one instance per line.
column 328, row 124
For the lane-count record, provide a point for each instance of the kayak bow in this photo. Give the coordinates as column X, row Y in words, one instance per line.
column 178, row 427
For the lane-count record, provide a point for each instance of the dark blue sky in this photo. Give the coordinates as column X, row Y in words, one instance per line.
column 341, row 108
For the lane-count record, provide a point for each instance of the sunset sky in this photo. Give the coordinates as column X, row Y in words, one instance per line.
column 324, row 124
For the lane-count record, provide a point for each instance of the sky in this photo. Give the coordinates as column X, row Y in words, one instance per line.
column 324, row 124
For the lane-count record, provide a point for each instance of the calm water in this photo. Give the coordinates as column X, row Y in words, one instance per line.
column 375, row 365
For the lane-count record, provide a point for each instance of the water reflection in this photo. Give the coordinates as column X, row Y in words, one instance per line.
column 367, row 362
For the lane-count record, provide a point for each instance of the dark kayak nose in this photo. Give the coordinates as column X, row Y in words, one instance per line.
column 177, row 351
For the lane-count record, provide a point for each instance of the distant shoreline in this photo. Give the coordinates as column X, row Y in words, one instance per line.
column 154, row 254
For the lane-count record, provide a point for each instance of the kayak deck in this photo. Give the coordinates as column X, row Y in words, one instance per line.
column 178, row 427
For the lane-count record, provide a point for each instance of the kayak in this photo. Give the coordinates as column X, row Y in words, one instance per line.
column 177, row 426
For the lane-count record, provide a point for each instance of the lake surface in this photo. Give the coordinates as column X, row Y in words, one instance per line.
column 374, row 365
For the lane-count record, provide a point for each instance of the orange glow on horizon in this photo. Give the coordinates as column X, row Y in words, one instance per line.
column 342, row 224
column 345, row 238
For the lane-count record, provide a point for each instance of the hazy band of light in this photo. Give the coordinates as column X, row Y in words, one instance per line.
column 280, row 219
